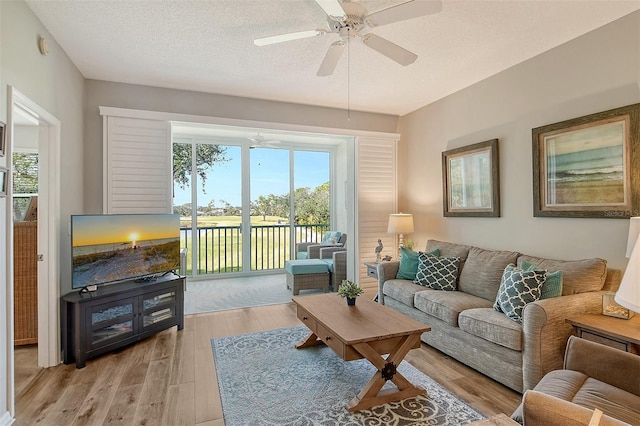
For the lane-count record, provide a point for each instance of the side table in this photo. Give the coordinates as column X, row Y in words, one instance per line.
column 372, row 269
column 618, row 333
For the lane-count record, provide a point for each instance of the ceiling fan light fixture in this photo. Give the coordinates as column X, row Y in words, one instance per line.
column 287, row 37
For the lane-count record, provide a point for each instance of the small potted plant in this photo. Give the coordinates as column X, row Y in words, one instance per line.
column 350, row 290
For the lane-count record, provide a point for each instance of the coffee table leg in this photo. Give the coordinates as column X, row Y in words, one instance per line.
column 311, row 340
column 370, row 395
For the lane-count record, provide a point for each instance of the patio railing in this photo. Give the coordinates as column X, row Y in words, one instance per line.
column 220, row 247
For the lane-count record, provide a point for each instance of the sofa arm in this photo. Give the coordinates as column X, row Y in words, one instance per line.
column 545, row 332
column 545, row 410
column 386, row 271
column 609, row 365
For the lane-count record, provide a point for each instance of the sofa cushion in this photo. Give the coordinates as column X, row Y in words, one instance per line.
column 409, row 263
column 517, row 288
column 449, row 249
column 447, row 305
column 329, row 263
column 578, row 276
column 401, row 290
column 482, row 271
column 437, row 273
column 552, row 287
column 588, row 392
column 493, row 326
column 539, row 409
column 306, row 266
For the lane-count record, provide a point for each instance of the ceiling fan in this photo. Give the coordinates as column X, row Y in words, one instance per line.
column 259, row 141
column 349, row 19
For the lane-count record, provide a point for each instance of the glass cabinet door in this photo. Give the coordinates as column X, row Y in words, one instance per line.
column 158, row 307
column 111, row 320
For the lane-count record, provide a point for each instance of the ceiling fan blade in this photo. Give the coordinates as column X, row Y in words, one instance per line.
column 333, row 9
column 287, row 37
column 403, row 11
column 331, row 59
column 390, row 50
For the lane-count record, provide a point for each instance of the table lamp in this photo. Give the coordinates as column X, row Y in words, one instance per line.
column 400, row 223
column 628, row 295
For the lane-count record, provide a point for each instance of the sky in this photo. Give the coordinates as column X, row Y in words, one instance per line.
column 269, row 175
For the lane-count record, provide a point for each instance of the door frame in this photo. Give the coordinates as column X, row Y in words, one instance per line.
column 48, row 235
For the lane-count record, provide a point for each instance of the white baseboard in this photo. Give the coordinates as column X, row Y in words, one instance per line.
column 6, row 419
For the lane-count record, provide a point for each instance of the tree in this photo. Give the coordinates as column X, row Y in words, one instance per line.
column 25, row 173
column 229, row 210
column 207, row 156
column 25, row 181
column 312, row 206
column 264, row 205
column 183, row 210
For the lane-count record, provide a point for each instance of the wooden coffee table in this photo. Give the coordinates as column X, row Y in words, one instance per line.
column 366, row 330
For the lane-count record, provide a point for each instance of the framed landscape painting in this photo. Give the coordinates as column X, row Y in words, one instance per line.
column 588, row 166
column 471, row 180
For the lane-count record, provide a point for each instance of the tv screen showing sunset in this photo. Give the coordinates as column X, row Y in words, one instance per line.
column 108, row 248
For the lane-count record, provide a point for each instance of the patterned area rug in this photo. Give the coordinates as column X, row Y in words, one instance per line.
column 264, row 380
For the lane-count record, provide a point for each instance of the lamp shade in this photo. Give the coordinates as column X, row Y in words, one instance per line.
column 400, row 223
column 634, row 232
column 628, row 295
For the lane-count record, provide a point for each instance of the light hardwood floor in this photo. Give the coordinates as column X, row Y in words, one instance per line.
column 169, row 379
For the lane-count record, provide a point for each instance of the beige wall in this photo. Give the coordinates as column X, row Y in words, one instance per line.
column 595, row 72
column 102, row 93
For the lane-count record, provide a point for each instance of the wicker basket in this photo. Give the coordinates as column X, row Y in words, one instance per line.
column 25, row 281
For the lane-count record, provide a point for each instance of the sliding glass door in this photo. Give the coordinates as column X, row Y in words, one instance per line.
column 243, row 208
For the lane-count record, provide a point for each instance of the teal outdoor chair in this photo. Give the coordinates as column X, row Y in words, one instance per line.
column 311, row 249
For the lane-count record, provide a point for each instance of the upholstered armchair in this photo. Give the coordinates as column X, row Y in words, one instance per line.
column 311, row 250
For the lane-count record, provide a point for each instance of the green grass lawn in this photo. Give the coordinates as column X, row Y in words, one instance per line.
column 223, row 244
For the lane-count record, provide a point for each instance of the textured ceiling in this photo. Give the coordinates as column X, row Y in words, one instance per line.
column 207, row 46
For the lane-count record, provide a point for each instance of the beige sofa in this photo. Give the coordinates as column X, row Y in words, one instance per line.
column 594, row 376
column 465, row 326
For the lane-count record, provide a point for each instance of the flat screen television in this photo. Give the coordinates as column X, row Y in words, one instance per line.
column 114, row 248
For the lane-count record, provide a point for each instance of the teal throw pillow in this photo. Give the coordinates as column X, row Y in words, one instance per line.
column 437, row 273
column 517, row 288
column 409, row 263
column 331, row 237
column 552, row 287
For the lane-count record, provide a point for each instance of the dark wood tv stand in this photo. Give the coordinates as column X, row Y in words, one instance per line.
column 116, row 315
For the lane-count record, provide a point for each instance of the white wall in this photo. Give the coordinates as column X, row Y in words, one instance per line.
column 593, row 73
column 55, row 84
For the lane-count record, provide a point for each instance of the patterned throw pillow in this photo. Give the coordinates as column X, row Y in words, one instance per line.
column 517, row 288
column 552, row 287
column 331, row 237
column 438, row 273
column 409, row 263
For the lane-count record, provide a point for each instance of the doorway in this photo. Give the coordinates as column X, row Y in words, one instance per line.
column 44, row 207
column 25, row 245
